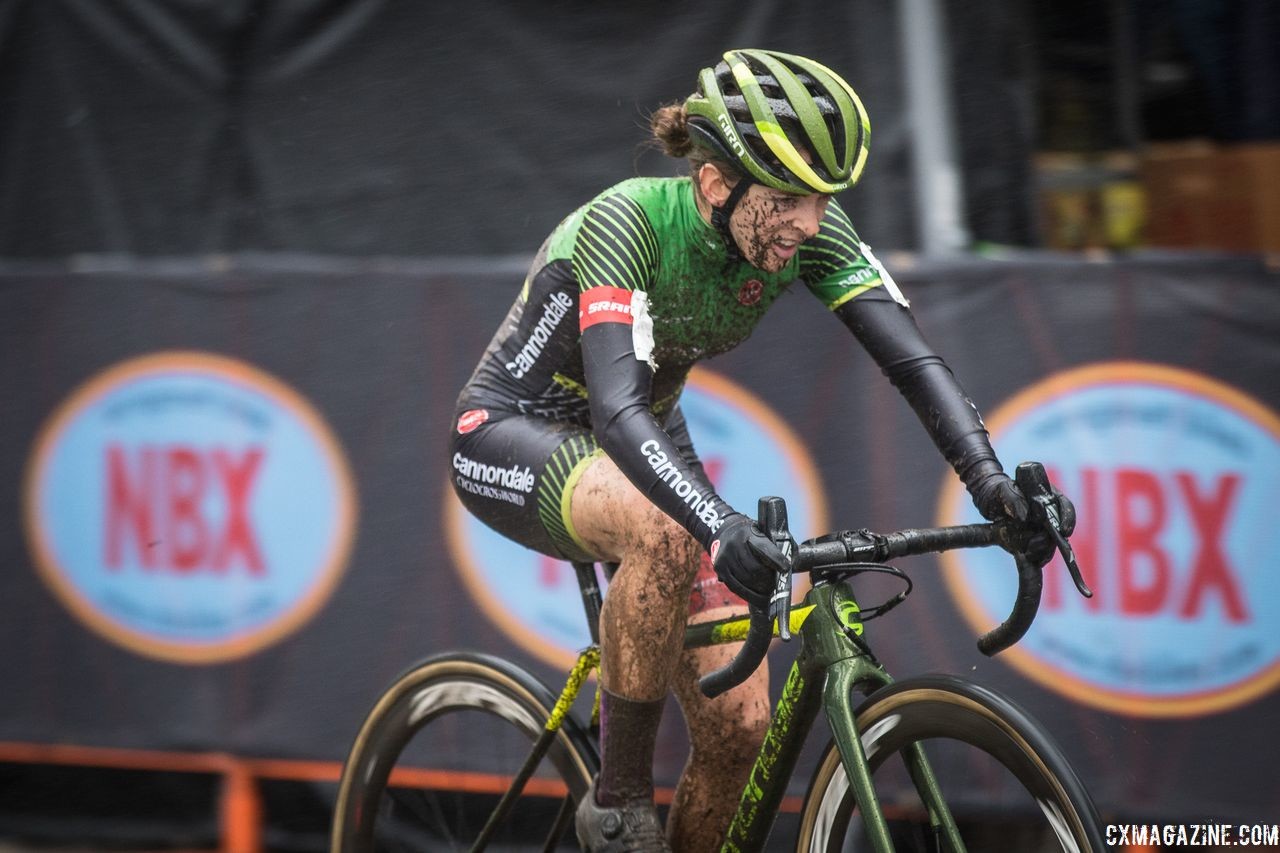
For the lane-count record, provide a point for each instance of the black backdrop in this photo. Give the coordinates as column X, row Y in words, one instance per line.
column 372, row 127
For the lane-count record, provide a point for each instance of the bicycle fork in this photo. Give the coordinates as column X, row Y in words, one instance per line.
column 848, row 668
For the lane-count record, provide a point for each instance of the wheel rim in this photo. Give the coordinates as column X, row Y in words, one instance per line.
column 947, row 727
column 438, row 797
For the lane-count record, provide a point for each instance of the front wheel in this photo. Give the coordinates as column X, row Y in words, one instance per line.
column 438, row 752
column 1005, row 782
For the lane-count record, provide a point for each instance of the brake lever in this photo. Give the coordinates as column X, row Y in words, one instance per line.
column 1033, row 481
column 780, row 604
column 772, row 517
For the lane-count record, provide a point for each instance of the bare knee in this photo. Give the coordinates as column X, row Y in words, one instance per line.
column 728, row 733
column 619, row 523
column 747, row 722
column 657, row 541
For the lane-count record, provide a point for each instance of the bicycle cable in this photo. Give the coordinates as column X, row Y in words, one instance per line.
column 840, row 572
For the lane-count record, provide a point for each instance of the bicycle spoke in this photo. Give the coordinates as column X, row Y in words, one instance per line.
column 991, row 778
column 515, row 790
column 563, row 819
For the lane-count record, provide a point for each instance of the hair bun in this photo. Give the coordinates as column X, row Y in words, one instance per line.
column 670, row 126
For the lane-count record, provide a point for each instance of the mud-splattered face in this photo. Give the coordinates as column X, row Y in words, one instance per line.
column 769, row 225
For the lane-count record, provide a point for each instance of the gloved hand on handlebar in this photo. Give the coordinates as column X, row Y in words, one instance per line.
column 747, row 561
column 998, row 498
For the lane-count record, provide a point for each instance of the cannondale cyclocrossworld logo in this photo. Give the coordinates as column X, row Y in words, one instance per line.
column 1175, row 477
column 746, row 450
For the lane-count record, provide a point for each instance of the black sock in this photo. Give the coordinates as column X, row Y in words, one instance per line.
column 628, row 731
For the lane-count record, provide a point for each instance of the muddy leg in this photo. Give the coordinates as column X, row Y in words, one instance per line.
column 724, row 735
column 642, row 623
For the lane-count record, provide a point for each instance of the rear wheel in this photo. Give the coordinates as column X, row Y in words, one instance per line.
column 440, row 748
column 1006, row 783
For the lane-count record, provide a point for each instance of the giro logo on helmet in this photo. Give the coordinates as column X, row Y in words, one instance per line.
column 731, row 135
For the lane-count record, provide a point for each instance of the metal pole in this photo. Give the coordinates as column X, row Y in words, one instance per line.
column 1124, row 71
column 935, row 164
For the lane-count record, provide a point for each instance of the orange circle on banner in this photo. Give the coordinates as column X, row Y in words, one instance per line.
column 237, row 376
column 797, row 459
column 1055, row 389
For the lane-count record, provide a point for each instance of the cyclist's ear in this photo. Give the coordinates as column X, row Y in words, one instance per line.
column 712, row 184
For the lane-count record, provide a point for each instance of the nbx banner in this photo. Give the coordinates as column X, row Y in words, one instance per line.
column 228, row 521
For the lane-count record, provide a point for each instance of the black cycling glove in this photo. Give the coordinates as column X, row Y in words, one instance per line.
column 997, row 497
column 746, row 560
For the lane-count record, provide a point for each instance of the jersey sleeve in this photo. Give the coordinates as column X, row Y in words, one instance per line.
column 614, row 258
column 616, row 246
column 890, row 335
column 837, row 266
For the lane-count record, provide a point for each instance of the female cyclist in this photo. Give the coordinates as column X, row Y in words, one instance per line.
column 569, row 436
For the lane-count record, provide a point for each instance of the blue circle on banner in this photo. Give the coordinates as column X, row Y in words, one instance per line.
column 189, row 507
column 1175, row 478
column 747, row 451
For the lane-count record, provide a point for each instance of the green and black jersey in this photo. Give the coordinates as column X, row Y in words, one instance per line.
column 646, row 236
column 634, row 288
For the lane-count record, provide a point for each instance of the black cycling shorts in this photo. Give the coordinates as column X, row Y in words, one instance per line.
column 517, row 472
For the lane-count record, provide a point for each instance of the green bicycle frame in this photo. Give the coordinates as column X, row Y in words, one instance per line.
column 829, row 667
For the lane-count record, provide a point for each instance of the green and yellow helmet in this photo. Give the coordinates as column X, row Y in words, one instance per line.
column 761, row 108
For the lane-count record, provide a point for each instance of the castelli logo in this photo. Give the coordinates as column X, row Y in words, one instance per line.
column 750, row 292
column 471, row 421
column 715, row 549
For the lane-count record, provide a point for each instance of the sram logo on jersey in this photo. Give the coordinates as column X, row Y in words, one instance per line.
column 604, row 305
column 557, row 306
column 514, row 477
column 708, row 511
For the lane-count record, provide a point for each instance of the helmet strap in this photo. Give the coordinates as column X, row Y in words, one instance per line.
column 720, row 217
